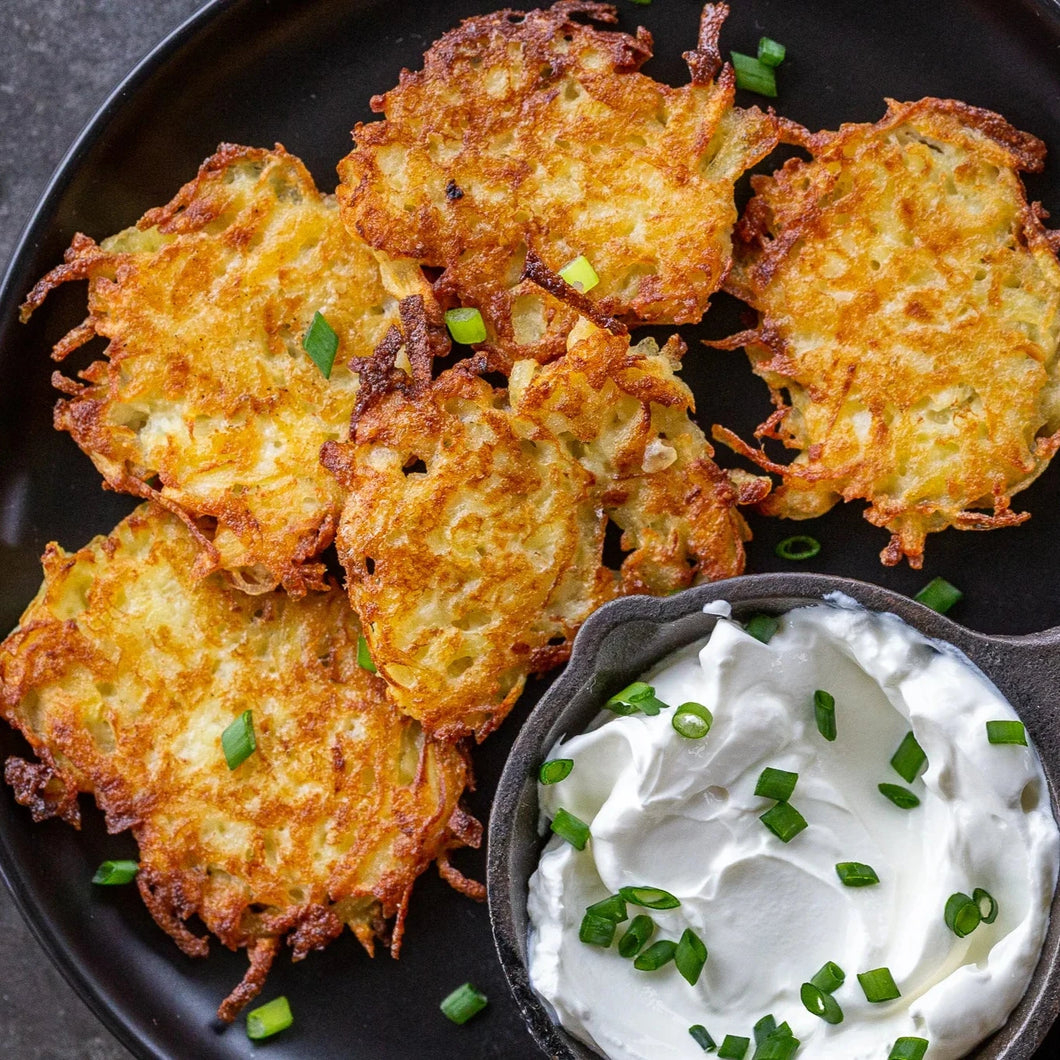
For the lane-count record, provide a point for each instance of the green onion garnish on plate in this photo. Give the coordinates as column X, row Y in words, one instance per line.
column 771, row 53
column 754, row 75
column 612, row 908
column 879, row 985
column 321, row 343
column 903, row 798
column 856, row 874
column 762, row 627
column 776, row 784
column 986, row 903
column 641, row 928
column 798, row 547
column 1014, row 732
column 690, row 956
column 701, row 1036
column 466, row 325
column 269, row 1019
column 692, row 721
column 824, row 713
column 962, row 914
column 638, row 697
column 113, row 873
column 939, row 595
column 908, row 1049
column 909, row 759
column 364, row 656
column 650, row 897
column 784, row 821
column 733, row 1047
column 580, row 274
column 571, row 828
column 555, row 770
column 597, row 930
column 463, row 1003
column 829, row 978
column 238, row 741
column 820, row 1003
column 655, row 956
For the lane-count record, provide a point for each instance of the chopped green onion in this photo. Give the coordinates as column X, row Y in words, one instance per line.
column 771, row 52
column 830, row 978
column 613, row 908
column 820, row 1003
column 238, row 741
column 701, row 1036
column 856, row 874
column 638, row 696
column 466, row 325
column 650, row 897
column 784, row 821
column 269, row 1019
column 962, row 914
column 979, row 896
column 364, row 656
column 799, row 547
column 640, row 3
column 690, row 956
column 762, row 627
column 580, row 274
column 766, row 1026
column 777, row 1047
column 909, row 759
column 655, row 956
column 754, row 75
column 878, row 985
column 939, row 595
column 692, row 720
column 321, row 343
column 597, row 930
column 908, row 1049
column 641, row 928
column 824, row 713
column 776, row 784
column 555, row 770
column 111, row 873
column 903, row 798
column 463, row 1003
column 1006, row 732
column 733, row 1047
column 571, row 828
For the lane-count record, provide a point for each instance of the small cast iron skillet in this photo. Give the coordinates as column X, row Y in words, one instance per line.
column 626, row 637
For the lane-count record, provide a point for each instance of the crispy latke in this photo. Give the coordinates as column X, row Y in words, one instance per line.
column 474, row 527
column 206, row 400
column 909, row 322
column 123, row 673
column 535, row 132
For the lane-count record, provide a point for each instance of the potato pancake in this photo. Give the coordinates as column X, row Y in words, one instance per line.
column 474, row 527
column 206, row 400
column 909, row 322
column 124, row 672
column 536, row 133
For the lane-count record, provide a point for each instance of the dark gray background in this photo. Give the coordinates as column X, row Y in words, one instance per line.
column 59, row 59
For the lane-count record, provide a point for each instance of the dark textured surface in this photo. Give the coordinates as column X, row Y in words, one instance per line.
column 301, row 71
column 626, row 638
column 59, row 59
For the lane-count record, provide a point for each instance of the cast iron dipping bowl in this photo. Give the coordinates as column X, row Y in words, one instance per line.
column 627, row 637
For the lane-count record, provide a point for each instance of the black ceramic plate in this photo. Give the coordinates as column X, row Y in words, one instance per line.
column 301, row 72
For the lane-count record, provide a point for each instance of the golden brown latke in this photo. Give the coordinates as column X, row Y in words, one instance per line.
column 473, row 530
column 123, row 673
column 537, row 133
column 206, row 400
column 909, row 322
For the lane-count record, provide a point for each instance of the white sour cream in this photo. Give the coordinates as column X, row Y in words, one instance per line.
column 680, row 814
